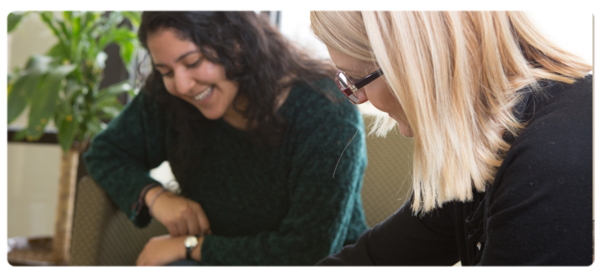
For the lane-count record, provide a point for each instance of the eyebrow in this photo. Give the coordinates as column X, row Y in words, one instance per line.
column 345, row 70
column 178, row 59
column 352, row 71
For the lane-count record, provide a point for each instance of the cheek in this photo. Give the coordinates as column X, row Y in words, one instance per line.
column 382, row 98
column 169, row 86
column 211, row 72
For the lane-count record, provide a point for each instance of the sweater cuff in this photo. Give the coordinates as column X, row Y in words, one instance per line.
column 140, row 215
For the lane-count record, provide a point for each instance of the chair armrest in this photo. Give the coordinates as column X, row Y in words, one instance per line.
column 102, row 234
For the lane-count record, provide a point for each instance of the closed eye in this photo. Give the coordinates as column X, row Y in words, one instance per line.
column 193, row 65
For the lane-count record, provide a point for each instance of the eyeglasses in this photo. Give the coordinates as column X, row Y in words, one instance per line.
column 349, row 88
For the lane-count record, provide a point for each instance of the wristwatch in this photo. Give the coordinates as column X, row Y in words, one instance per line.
column 190, row 243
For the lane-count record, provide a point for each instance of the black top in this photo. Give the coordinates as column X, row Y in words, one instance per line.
column 538, row 211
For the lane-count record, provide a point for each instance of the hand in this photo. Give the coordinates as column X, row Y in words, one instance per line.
column 181, row 216
column 162, row 250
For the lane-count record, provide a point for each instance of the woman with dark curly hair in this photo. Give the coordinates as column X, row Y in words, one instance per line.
column 269, row 158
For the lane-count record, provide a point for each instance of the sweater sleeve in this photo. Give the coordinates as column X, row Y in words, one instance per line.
column 404, row 239
column 120, row 157
column 321, row 201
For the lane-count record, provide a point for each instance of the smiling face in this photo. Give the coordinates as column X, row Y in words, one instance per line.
column 378, row 91
column 187, row 74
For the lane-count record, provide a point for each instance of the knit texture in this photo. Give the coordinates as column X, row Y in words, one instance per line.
column 266, row 206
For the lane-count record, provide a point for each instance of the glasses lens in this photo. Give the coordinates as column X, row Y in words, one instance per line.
column 353, row 98
column 343, row 82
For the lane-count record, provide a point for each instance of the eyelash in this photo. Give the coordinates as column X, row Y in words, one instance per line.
column 193, row 65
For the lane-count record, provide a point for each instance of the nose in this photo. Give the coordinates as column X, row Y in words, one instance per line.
column 183, row 83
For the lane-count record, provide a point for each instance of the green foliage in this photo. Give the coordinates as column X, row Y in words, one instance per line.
column 63, row 84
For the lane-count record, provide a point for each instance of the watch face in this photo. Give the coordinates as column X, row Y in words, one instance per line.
column 191, row 241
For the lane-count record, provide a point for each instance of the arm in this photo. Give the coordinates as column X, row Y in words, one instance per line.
column 404, row 239
column 121, row 156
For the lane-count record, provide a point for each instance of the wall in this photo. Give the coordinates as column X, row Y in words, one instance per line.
column 32, row 169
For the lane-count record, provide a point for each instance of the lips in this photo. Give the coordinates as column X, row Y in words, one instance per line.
column 204, row 94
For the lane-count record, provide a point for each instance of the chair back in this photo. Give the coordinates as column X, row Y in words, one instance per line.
column 387, row 182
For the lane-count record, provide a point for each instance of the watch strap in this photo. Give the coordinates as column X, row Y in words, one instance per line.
column 188, row 250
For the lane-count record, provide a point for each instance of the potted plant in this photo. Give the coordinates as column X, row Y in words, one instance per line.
column 63, row 86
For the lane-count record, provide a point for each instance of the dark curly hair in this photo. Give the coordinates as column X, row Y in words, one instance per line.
column 253, row 53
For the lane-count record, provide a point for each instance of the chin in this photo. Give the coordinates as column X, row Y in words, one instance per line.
column 405, row 130
column 211, row 115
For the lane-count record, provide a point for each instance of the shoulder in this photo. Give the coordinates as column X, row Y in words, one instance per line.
column 559, row 130
column 550, row 163
column 540, row 203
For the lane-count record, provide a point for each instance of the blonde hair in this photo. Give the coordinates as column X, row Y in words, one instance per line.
column 457, row 75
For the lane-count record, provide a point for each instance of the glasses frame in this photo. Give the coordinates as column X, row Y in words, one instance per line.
column 352, row 88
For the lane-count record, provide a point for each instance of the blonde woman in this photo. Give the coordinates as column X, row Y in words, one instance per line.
column 502, row 126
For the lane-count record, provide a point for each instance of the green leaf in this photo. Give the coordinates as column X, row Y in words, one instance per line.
column 113, row 90
column 68, row 15
column 42, row 106
column 25, row 86
column 110, row 112
column 71, row 88
column 17, row 98
column 101, row 59
column 49, row 20
column 38, row 63
column 57, row 52
column 20, row 94
column 123, row 34
column 96, row 11
column 67, row 130
column 14, row 19
column 117, row 35
column 134, row 17
column 93, row 127
column 65, row 31
column 104, row 102
column 127, row 50
column 20, row 135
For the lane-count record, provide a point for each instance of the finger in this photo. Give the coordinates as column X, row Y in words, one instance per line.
column 173, row 229
column 182, row 228
column 141, row 258
column 202, row 221
column 192, row 226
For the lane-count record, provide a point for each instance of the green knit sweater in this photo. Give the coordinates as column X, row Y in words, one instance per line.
column 281, row 206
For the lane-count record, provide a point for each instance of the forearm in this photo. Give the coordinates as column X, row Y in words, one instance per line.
column 196, row 252
column 152, row 194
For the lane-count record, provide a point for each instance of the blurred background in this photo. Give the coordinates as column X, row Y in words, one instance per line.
column 34, row 168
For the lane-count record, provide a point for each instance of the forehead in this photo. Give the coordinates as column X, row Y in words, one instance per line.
column 165, row 46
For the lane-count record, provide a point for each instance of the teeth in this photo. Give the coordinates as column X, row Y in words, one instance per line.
column 205, row 93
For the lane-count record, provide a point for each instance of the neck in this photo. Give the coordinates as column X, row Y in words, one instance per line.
column 237, row 120
column 234, row 118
